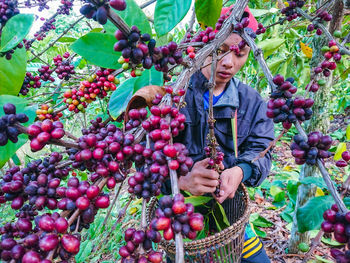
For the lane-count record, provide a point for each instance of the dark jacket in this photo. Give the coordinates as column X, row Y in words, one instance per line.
column 255, row 130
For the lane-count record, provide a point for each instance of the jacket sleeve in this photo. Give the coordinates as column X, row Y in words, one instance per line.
column 259, row 138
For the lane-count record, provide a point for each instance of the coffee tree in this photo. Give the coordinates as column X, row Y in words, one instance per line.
column 44, row 86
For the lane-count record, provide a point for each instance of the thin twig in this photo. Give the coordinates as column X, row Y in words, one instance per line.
column 113, row 203
column 271, row 145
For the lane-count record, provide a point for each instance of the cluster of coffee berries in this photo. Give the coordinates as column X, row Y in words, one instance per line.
column 332, row 51
column 41, row 132
column 8, row 8
column 64, row 69
column 99, row 13
column 96, row 85
column 215, row 158
column 135, row 118
column 8, row 54
column 337, row 223
column 204, row 36
column 165, row 55
column 8, row 130
column 345, row 159
column 323, row 15
column 83, row 196
column 220, row 21
column 145, row 184
column 340, row 256
column 289, row 111
column 46, row 27
column 174, row 216
column 308, row 151
column 105, row 151
column 261, row 29
column 136, row 48
column 282, row 108
column 290, row 10
column 191, row 52
column 47, row 112
column 38, row 182
column 54, row 226
column 45, row 73
column 65, row 8
column 135, row 239
column 30, row 81
column 42, row 5
column 312, row 27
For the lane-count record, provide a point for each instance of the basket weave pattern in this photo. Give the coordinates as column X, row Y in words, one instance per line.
column 225, row 246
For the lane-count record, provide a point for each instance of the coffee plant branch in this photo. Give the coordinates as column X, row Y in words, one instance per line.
column 326, row 177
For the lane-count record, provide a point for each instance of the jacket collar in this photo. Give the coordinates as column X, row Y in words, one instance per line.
column 230, row 96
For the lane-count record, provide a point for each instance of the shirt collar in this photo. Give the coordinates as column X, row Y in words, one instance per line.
column 230, row 96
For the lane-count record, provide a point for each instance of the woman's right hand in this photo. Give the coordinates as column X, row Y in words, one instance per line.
column 200, row 180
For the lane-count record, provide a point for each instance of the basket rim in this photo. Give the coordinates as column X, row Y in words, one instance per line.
column 213, row 239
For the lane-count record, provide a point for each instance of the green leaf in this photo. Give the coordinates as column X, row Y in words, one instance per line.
column 120, row 97
column 169, row 13
column 318, row 181
column 310, row 215
column 198, row 200
column 10, row 148
column 67, row 39
column 220, row 214
column 98, row 49
column 149, row 77
column 208, row 11
column 85, row 250
column 262, row 12
column 270, row 45
column 348, row 132
column 277, row 193
column 15, row 30
column 12, row 72
column 16, row 160
column 322, row 260
column 258, row 220
column 134, row 16
column 331, row 242
column 259, row 232
column 340, row 149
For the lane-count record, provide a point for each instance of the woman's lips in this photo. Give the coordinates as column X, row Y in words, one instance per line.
column 224, row 75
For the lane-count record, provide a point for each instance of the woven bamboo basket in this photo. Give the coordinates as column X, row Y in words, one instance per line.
column 225, row 246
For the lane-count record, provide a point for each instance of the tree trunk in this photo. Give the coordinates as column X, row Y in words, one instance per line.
column 318, row 122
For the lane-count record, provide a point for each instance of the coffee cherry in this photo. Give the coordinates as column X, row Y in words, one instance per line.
column 70, row 243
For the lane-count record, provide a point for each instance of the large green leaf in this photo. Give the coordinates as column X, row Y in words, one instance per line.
column 12, row 72
column 10, row 148
column 98, row 49
column 270, row 45
column 149, row 77
column 15, row 30
column 310, row 215
column 198, row 200
column 134, row 16
column 169, row 13
column 120, row 97
column 258, row 220
column 208, row 11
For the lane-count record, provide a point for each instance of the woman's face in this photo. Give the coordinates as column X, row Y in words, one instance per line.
column 230, row 64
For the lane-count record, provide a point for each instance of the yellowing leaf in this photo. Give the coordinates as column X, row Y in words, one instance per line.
column 306, row 50
column 319, row 192
column 340, row 149
column 137, row 202
column 348, row 132
column 132, row 210
column 288, row 168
